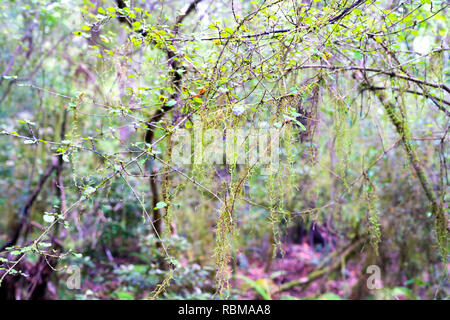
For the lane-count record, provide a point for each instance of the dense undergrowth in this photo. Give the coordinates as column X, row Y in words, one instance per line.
column 274, row 149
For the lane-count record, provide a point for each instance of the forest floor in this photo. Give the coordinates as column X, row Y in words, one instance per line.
column 129, row 278
column 252, row 280
column 297, row 262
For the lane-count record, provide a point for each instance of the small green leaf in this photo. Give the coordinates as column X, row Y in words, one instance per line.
column 123, row 295
column 44, row 244
column 89, row 190
column 160, row 205
column 171, row 103
column 357, row 55
column 49, row 217
column 136, row 24
column 329, row 296
column 9, row 77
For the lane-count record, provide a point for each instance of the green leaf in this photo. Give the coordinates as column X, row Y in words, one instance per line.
column 302, row 127
column 171, row 103
column 357, row 55
column 197, row 101
column 48, row 217
column 45, row 244
column 9, row 77
column 123, row 295
column 329, row 296
column 258, row 285
column 89, row 190
column 160, row 205
column 136, row 24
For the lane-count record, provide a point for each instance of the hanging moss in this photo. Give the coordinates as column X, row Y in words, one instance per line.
column 75, row 136
column 289, row 142
column 161, row 288
column 166, row 191
column 372, row 213
column 399, row 121
column 341, row 130
column 222, row 252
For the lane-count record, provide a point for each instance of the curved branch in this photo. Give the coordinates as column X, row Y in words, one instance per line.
column 424, row 94
column 389, row 73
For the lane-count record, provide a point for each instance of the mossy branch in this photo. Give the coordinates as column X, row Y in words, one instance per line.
column 399, row 121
